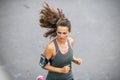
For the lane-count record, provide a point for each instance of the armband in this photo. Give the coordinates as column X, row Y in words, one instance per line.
column 43, row 61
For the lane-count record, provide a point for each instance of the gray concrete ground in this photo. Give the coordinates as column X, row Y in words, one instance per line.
column 95, row 29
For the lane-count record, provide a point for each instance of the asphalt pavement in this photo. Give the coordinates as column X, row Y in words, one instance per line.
column 95, row 29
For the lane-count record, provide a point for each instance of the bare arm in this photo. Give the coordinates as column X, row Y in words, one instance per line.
column 75, row 60
column 64, row 69
column 48, row 53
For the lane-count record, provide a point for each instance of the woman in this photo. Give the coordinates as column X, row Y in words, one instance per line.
column 58, row 54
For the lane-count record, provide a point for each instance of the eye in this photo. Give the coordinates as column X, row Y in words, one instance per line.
column 64, row 33
column 59, row 32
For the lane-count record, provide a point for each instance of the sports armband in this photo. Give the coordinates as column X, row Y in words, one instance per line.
column 43, row 61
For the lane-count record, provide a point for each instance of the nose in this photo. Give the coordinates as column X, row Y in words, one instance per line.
column 61, row 35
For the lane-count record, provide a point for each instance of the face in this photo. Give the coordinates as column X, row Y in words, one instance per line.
column 62, row 33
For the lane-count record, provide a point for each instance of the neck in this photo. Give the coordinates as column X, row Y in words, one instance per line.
column 61, row 42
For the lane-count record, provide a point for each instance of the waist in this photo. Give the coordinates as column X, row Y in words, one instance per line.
column 59, row 76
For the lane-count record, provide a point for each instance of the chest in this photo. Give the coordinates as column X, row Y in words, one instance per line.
column 60, row 60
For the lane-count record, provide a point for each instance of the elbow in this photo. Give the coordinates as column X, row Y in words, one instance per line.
column 44, row 67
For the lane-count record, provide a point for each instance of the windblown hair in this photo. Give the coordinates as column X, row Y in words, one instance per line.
column 50, row 19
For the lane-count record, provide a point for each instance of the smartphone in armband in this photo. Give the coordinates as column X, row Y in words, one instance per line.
column 43, row 61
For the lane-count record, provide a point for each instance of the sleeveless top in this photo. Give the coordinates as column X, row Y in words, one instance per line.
column 60, row 60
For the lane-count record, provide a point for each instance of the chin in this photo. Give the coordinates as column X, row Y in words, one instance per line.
column 62, row 40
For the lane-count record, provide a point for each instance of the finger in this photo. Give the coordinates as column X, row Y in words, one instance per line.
column 79, row 59
column 68, row 65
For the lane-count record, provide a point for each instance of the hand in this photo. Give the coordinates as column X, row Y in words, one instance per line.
column 78, row 61
column 65, row 69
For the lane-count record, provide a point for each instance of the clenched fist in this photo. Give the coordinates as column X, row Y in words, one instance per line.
column 65, row 69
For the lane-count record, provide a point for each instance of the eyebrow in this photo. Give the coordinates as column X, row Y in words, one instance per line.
column 62, row 32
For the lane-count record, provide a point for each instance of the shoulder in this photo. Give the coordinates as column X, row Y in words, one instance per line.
column 49, row 50
column 71, row 40
column 50, row 46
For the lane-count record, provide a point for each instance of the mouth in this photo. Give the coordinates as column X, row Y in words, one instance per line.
column 61, row 38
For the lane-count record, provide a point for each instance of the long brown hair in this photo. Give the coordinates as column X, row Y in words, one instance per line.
column 50, row 19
